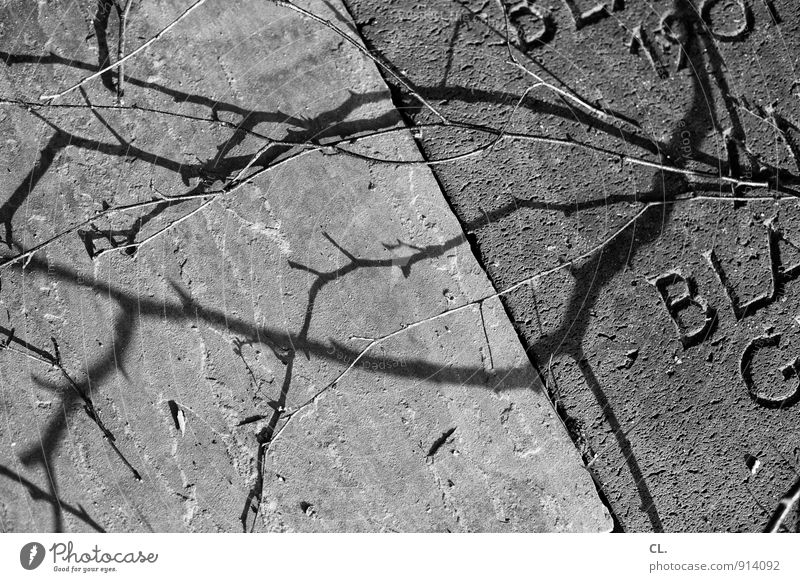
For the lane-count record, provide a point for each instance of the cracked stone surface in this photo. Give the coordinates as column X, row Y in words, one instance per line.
column 244, row 314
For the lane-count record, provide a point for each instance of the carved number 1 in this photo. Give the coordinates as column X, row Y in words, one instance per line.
column 582, row 18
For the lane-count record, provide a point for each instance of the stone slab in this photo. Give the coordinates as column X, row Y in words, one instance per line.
column 186, row 345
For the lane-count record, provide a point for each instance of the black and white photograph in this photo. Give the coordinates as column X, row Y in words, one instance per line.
column 396, row 266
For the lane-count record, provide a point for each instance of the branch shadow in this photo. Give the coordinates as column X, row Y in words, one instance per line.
column 37, row 493
column 597, row 271
column 590, row 277
column 132, row 308
column 100, row 24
